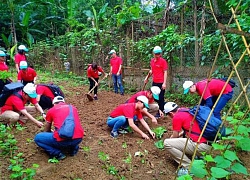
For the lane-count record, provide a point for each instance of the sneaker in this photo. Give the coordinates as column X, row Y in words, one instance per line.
column 182, row 171
column 114, row 134
column 122, row 131
column 74, row 152
column 95, row 98
column 61, row 156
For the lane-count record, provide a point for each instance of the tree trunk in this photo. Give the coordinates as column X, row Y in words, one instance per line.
column 196, row 35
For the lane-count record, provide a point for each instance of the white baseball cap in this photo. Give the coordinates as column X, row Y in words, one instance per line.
column 169, row 106
column 155, row 91
column 2, row 54
column 30, row 89
column 157, row 49
column 187, row 85
column 58, row 99
column 143, row 99
column 23, row 65
column 22, row 47
column 112, row 51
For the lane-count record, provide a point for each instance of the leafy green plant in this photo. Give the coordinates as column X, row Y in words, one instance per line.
column 18, row 171
column 124, row 145
column 159, row 144
column 159, row 131
column 86, row 148
column 224, row 160
column 53, row 160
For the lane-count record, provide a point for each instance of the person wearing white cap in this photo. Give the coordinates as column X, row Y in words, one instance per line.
column 20, row 56
column 14, row 107
column 26, row 74
column 181, row 120
column 50, row 140
column 212, row 89
column 116, row 71
column 152, row 94
column 125, row 114
column 3, row 66
column 158, row 71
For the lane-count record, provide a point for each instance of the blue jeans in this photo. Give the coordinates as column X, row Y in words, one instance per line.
column 118, row 122
column 117, row 80
column 53, row 147
column 221, row 103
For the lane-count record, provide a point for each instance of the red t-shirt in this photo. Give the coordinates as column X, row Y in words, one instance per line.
column 158, row 67
column 3, row 66
column 19, row 57
column 44, row 90
column 132, row 99
column 214, row 88
column 182, row 120
column 115, row 64
column 128, row 110
column 58, row 114
column 94, row 73
column 27, row 75
column 16, row 104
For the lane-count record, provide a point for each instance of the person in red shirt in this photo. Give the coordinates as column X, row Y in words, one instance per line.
column 125, row 114
column 181, row 120
column 50, row 140
column 211, row 93
column 93, row 76
column 44, row 96
column 3, row 68
column 158, row 71
column 14, row 108
column 152, row 94
column 20, row 56
column 26, row 74
column 116, row 71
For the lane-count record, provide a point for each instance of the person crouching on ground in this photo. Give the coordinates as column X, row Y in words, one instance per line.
column 93, row 76
column 211, row 94
column 50, row 140
column 125, row 114
column 181, row 120
column 14, row 110
column 152, row 94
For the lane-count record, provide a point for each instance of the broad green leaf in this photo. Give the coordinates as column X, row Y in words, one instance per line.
column 185, row 177
column 209, row 158
column 219, row 172
column 244, row 144
column 221, row 162
column 243, row 130
column 218, row 146
column 159, row 144
column 198, row 169
column 231, row 155
column 239, row 168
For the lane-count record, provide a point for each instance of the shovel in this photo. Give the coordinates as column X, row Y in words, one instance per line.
column 90, row 98
column 144, row 85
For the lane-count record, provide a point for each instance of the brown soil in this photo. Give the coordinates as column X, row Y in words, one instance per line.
column 155, row 164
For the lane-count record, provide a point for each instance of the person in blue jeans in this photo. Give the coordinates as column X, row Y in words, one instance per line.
column 50, row 141
column 115, row 71
column 125, row 114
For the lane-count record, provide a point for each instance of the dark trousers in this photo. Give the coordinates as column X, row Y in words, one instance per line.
column 45, row 102
column 92, row 84
column 161, row 96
